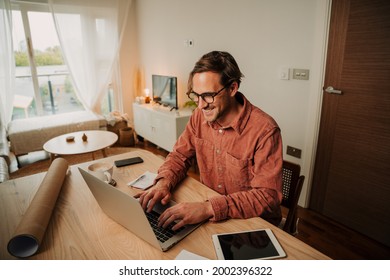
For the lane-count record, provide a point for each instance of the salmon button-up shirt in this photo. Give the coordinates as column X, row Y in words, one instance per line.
column 241, row 162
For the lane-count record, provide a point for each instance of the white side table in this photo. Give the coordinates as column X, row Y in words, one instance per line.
column 96, row 140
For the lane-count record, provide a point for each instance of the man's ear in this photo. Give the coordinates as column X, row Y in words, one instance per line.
column 233, row 89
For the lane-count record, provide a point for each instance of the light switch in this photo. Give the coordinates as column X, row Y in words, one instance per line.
column 284, row 73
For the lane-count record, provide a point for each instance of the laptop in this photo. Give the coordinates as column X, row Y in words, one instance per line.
column 128, row 212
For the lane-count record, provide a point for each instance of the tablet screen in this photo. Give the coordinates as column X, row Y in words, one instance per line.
column 259, row 244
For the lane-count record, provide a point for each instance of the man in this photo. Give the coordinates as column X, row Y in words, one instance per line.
column 238, row 148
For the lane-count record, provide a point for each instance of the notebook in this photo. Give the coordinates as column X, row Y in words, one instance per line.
column 128, row 212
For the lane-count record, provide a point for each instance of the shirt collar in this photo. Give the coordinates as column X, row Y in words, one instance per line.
column 241, row 120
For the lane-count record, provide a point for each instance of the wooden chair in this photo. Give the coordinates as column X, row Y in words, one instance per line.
column 292, row 186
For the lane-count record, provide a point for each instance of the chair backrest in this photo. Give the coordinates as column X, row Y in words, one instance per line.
column 292, row 186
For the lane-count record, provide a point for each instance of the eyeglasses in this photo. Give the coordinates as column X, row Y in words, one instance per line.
column 207, row 97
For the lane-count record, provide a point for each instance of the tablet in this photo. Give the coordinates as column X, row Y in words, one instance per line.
column 247, row 245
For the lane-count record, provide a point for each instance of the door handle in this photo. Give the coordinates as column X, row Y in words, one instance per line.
column 331, row 90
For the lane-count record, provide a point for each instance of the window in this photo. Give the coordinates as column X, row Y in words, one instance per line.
column 42, row 80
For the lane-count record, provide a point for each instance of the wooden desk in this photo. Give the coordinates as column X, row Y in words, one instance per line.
column 96, row 140
column 78, row 228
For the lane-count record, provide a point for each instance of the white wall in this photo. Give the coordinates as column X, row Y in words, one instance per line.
column 263, row 36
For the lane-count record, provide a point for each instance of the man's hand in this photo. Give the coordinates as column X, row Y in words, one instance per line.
column 158, row 193
column 186, row 213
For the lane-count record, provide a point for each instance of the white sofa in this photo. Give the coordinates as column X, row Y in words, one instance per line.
column 29, row 135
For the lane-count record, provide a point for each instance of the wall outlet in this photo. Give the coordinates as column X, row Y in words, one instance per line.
column 188, row 43
column 294, row 152
column 301, row 74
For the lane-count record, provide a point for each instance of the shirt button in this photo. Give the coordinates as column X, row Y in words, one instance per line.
column 220, row 168
column 219, row 186
column 220, row 131
column 218, row 151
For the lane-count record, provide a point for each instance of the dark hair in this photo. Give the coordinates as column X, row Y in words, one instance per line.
column 218, row 62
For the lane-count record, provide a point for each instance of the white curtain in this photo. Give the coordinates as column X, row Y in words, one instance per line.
column 90, row 32
column 7, row 63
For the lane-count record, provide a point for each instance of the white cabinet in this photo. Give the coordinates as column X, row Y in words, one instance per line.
column 159, row 125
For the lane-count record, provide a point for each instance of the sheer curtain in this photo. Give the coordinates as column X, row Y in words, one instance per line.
column 90, row 32
column 7, row 63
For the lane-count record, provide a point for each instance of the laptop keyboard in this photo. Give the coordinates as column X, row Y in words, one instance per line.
column 162, row 234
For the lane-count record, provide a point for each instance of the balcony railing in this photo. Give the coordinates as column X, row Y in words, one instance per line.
column 56, row 94
column 55, row 91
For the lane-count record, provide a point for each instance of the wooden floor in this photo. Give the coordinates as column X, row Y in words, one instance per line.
column 336, row 240
column 327, row 236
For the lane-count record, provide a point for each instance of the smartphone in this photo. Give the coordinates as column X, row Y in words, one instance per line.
column 128, row 161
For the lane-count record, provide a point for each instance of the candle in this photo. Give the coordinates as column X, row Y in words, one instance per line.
column 147, row 98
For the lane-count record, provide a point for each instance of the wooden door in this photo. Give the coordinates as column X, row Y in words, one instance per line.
column 351, row 182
